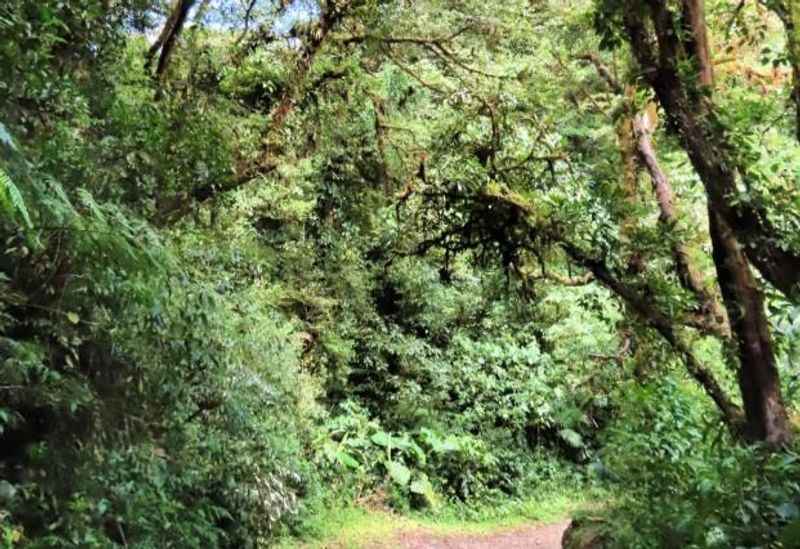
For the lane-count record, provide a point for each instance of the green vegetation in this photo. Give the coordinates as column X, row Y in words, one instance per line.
column 342, row 526
column 281, row 272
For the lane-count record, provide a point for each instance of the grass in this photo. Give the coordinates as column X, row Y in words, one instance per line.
column 349, row 527
column 352, row 527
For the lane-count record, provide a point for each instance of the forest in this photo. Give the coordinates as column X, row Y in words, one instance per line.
column 328, row 273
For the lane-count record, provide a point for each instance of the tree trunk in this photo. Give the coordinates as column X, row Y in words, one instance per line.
column 630, row 185
column 738, row 231
column 694, row 12
column 171, row 34
column 689, row 275
column 166, row 39
column 162, row 36
column 766, row 417
column 792, row 24
column 790, row 17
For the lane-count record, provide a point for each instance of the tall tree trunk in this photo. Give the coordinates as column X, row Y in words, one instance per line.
column 789, row 14
column 173, row 31
column 169, row 33
column 162, row 36
column 758, row 376
column 630, row 184
column 792, row 24
column 694, row 13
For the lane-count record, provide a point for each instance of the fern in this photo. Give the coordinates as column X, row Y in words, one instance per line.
column 11, row 199
column 92, row 206
column 56, row 203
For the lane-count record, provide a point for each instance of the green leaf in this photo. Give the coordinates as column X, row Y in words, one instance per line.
column 346, row 459
column 94, row 208
column 399, row 472
column 571, row 437
column 382, row 439
column 450, row 444
column 11, row 199
column 418, row 452
column 421, row 486
column 73, row 317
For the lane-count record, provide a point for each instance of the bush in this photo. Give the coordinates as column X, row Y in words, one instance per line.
column 142, row 402
column 680, row 484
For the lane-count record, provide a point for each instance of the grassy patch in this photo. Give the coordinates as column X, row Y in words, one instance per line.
column 349, row 527
column 356, row 527
column 546, row 507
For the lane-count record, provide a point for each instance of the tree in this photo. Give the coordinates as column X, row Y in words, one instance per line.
column 661, row 50
column 740, row 230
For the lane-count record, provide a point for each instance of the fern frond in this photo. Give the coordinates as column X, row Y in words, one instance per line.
column 90, row 204
column 11, row 199
column 57, row 203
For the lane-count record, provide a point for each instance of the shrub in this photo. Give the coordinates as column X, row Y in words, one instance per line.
column 681, row 481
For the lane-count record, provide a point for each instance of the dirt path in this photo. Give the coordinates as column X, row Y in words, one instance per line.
column 536, row 536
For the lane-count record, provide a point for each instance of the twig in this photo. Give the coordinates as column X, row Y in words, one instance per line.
column 419, row 79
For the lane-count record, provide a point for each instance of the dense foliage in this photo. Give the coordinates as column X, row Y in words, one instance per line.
column 261, row 258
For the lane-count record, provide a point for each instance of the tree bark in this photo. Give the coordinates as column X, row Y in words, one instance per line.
column 758, row 375
column 694, row 12
column 738, row 231
column 792, row 24
column 689, row 275
column 790, row 17
column 165, row 43
column 168, row 46
column 630, row 184
column 634, row 133
column 165, row 30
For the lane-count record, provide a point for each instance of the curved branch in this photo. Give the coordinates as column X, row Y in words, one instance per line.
column 688, row 274
column 644, row 308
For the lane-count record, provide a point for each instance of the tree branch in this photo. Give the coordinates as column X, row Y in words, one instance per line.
column 664, row 326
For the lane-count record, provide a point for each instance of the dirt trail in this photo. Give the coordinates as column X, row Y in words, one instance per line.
column 535, row 536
